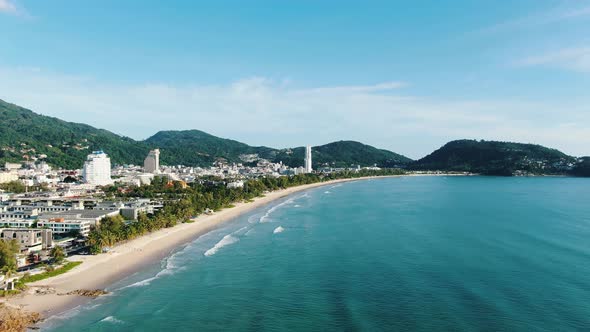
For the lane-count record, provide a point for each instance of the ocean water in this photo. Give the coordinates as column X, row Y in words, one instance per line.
column 397, row 254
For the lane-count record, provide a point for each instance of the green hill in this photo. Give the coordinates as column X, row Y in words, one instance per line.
column 343, row 154
column 194, row 147
column 582, row 168
column 496, row 158
column 25, row 134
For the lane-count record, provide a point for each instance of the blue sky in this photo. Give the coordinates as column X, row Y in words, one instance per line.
column 402, row 75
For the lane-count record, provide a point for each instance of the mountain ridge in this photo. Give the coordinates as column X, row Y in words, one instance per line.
column 27, row 135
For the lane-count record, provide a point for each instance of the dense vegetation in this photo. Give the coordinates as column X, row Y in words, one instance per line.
column 26, row 135
column 496, row 158
column 183, row 204
column 49, row 273
column 8, row 251
column 66, row 144
column 18, row 187
column 194, row 147
column 582, row 167
column 343, row 154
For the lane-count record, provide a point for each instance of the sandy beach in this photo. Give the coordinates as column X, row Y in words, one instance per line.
column 97, row 272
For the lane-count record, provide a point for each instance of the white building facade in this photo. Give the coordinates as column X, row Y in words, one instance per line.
column 151, row 164
column 97, row 169
column 308, row 168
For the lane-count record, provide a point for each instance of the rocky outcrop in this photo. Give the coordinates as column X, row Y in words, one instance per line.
column 16, row 320
column 86, row 292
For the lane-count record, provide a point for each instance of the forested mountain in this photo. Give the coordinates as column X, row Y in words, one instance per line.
column 204, row 148
column 582, row 168
column 25, row 135
column 194, row 147
column 496, row 158
column 344, row 154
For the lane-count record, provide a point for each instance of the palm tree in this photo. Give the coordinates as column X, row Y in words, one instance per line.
column 58, row 254
column 9, row 270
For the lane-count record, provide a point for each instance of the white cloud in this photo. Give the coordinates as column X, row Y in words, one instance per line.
column 263, row 111
column 577, row 59
column 552, row 16
column 7, row 6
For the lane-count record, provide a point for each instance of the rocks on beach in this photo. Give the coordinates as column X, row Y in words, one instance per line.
column 14, row 319
column 86, row 292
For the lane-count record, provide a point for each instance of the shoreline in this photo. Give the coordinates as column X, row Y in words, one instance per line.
column 124, row 259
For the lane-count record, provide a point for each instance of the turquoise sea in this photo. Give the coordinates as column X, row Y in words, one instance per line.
column 396, row 254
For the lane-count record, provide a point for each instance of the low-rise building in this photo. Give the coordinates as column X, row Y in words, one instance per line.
column 29, row 239
column 74, row 220
column 236, row 184
column 18, row 214
column 62, row 226
column 17, row 223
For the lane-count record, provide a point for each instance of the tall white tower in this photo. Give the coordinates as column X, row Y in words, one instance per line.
column 97, row 169
column 151, row 164
column 308, row 168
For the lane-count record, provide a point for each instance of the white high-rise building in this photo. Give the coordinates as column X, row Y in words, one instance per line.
column 308, row 168
column 97, row 169
column 151, row 164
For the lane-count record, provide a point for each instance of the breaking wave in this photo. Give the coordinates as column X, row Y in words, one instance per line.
column 278, row 230
column 226, row 241
column 266, row 216
column 169, row 266
column 112, row 319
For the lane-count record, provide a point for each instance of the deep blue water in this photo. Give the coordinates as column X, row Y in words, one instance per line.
column 416, row 253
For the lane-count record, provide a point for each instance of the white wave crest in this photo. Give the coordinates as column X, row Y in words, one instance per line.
column 266, row 216
column 278, row 230
column 111, row 319
column 297, row 206
column 142, row 283
column 241, row 231
column 253, row 219
column 227, row 240
column 327, row 192
column 169, row 266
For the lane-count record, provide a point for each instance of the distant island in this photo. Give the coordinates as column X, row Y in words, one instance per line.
column 27, row 136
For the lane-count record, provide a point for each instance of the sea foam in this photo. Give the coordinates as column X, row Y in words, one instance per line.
column 112, row 319
column 169, row 266
column 226, row 241
column 266, row 216
column 278, row 230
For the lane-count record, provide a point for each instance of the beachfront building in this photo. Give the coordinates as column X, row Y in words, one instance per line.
column 28, row 239
column 97, row 169
column 74, row 220
column 62, row 226
column 151, row 164
column 307, row 166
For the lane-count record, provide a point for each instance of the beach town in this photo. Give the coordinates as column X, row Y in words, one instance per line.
column 55, row 267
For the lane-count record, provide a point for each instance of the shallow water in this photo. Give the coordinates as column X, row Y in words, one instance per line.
column 412, row 253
